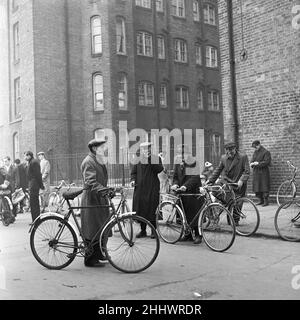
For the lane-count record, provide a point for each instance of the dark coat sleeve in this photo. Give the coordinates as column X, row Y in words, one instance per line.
column 36, row 172
column 175, row 175
column 90, row 177
column 133, row 174
column 215, row 175
column 266, row 160
column 193, row 182
column 246, row 169
column 157, row 166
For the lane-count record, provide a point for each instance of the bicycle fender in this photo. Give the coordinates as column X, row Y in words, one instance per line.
column 49, row 214
column 9, row 202
column 125, row 214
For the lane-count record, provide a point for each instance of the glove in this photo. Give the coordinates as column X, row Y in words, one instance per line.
column 240, row 184
column 174, row 187
column 182, row 188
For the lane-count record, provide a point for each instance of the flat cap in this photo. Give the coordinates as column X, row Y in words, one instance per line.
column 41, row 153
column 230, row 145
column 255, row 143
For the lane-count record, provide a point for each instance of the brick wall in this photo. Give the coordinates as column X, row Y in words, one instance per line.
column 268, row 82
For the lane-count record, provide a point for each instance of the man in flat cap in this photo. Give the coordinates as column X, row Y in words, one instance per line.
column 144, row 177
column 261, row 160
column 95, row 178
column 45, row 170
column 234, row 168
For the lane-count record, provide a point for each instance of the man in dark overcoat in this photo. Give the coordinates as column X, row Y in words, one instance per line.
column 35, row 183
column 95, row 179
column 234, row 168
column 261, row 160
column 186, row 178
column 22, row 181
column 144, row 177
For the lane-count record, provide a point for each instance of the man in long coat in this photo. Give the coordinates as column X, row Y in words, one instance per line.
column 261, row 160
column 146, row 192
column 188, row 182
column 95, row 178
column 234, row 168
column 45, row 170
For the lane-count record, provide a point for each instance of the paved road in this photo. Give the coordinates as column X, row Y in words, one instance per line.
column 254, row 268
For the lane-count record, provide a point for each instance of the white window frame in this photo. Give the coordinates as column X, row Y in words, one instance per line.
column 209, row 12
column 98, row 91
column 198, row 54
column 146, row 48
column 181, row 51
column 163, row 96
column 161, row 50
column 146, row 94
column 121, row 35
column 123, row 92
column 160, row 5
column 196, row 10
column 183, row 103
column 144, row 3
column 16, row 145
column 211, row 57
column 178, row 8
column 16, row 38
column 213, row 100
column 200, row 100
column 96, row 35
column 215, row 148
column 17, row 97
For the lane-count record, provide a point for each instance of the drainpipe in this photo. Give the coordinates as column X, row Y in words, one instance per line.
column 232, row 73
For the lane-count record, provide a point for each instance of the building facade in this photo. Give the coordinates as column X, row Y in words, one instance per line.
column 265, row 42
column 78, row 67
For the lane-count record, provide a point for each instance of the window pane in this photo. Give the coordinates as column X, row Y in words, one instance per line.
column 163, row 96
column 121, row 45
column 122, row 92
column 159, row 5
column 96, row 35
column 196, row 10
column 200, row 99
column 161, row 47
column 98, row 92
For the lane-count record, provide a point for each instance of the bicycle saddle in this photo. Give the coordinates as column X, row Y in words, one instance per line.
column 71, row 195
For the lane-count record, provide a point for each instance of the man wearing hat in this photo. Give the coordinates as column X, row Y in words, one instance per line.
column 45, row 170
column 95, row 178
column 261, row 160
column 144, row 177
column 234, row 168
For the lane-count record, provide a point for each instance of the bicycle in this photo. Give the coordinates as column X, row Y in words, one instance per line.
column 288, row 189
column 6, row 208
column 214, row 221
column 242, row 209
column 55, row 243
column 57, row 203
column 287, row 220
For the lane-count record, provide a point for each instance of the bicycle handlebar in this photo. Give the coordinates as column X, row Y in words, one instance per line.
column 291, row 165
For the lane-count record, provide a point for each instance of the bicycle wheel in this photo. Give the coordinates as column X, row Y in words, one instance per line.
column 217, row 227
column 124, row 250
column 53, row 202
column 53, row 243
column 247, row 215
column 287, row 221
column 169, row 222
column 6, row 212
column 285, row 192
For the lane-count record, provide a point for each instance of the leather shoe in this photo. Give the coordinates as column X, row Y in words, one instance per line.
column 95, row 264
column 198, row 240
column 142, row 234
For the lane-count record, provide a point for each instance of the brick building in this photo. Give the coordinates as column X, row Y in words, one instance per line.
column 266, row 53
column 77, row 67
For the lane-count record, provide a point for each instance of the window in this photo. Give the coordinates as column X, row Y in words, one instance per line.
column 144, row 44
column 196, row 10
column 17, row 98
column 211, row 56
column 96, row 35
column 160, row 5
column 123, row 92
column 200, row 105
column 146, row 94
column 178, row 8
column 198, row 54
column 209, row 14
column 16, row 42
column 16, row 146
column 98, row 92
column 121, row 38
column 215, row 148
column 180, row 50
column 182, row 97
column 143, row 3
column 163, row 96
column 213, row 100
column 161, row 47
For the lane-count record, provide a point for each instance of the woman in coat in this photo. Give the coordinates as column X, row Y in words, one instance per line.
column 95, row 179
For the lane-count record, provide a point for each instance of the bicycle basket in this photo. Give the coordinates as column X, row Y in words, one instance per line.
column 168, row 197
column 17, row 196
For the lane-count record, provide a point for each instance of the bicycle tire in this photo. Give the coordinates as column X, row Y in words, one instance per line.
column 286, row 192
column 169, row 222
column 284, row 224
column 47, row 228
column 217, row 227
column 132, row 257
column 6, row 211
column 248, row 216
